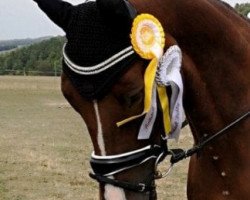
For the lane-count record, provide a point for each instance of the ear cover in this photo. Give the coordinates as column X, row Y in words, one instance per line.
column 60, row 12
column 117, row 13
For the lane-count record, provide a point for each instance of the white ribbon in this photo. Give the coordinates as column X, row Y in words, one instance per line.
column 149, row 119
column 168, row 74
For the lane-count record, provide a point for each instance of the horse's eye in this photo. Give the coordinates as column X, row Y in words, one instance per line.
column 133, row 100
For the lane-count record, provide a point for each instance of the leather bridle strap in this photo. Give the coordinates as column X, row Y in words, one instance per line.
column 134, row 187
column 180, row 154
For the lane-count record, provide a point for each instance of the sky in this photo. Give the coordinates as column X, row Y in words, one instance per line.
column 21, row 19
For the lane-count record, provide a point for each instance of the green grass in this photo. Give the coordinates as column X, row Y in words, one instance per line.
column 45, row 148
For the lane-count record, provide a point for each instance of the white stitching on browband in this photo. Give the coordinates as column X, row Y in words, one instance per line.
column 95, row 67
column 101, row 69
column 91, row 70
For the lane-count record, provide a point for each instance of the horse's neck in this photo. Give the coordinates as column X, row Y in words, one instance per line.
column 216, row 68
column 215, row 96
column 216, row 55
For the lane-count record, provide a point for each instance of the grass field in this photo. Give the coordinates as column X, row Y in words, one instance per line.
column 45, row 148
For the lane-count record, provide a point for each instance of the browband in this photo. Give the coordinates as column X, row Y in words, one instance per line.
column 96, row 69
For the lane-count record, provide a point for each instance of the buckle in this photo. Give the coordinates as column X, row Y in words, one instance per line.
column 143, row 187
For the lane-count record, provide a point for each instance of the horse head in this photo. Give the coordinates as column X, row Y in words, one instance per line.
column 103, row 80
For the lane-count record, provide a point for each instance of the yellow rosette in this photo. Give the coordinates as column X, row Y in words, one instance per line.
column 148, row 40
column 147, row 36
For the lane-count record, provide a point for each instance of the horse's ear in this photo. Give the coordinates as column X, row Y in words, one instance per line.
column 119, row 13
column 58, row 11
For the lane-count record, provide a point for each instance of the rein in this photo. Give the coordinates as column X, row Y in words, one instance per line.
column 180, row 154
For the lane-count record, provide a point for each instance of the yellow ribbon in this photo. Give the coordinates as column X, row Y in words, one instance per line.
column 165, row 108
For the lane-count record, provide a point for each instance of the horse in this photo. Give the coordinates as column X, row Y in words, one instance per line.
column 215, row 67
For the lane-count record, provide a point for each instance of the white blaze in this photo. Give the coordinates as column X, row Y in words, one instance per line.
column 114, row 193
column 111, row 192
column 100, row 139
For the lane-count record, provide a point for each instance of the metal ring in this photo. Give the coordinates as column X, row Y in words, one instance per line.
column 168, row 171
column 143, row 187
column 158, row 174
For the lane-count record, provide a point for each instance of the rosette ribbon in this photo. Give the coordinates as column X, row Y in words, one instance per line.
column 168, row 74
column 148, row 40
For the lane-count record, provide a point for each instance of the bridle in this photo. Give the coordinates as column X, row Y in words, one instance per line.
column 106, row 166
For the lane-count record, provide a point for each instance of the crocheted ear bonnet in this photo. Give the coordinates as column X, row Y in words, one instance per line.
column 98, row 50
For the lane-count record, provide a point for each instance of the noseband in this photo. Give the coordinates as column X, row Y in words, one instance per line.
column 106, row 166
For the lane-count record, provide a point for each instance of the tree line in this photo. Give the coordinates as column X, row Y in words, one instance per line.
column 6, row 45
column 43, row 58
